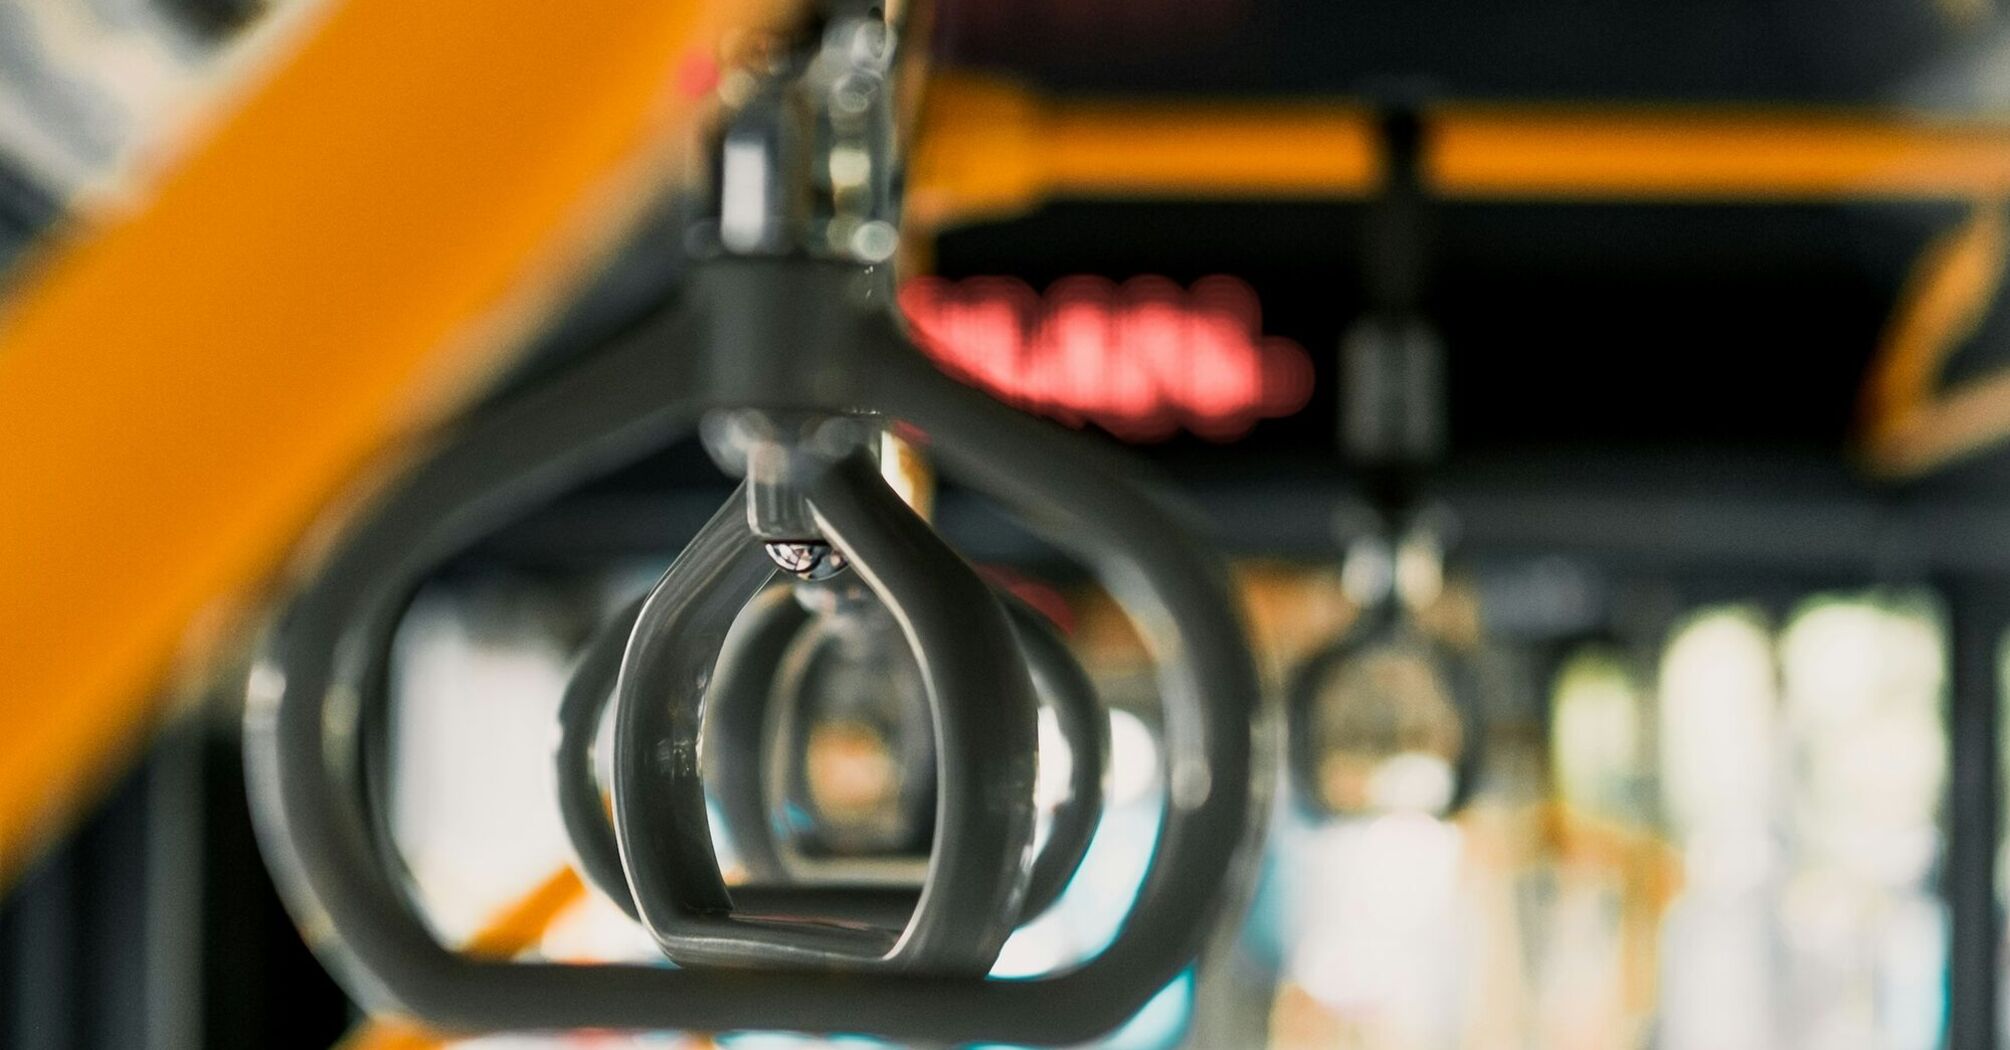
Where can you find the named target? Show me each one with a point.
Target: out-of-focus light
(1134, 771)
(1864, 684)
(473, 831)
(1093, 908)
(1141, 359)
(1596, 737)
(1055, 769)
(1378, 926)
(1718, 733)
(1413, 782)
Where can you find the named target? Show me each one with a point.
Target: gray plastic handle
(611, 409)
(736, 716)
(744, 693)
(1379, 625)
(980, 699)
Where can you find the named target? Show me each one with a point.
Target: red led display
(1141, 359)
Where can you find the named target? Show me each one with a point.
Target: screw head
(807, 559)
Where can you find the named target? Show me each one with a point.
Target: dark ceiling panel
(1797, 51)
(1644, 326)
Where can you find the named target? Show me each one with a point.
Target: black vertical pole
(39, 957)
(1978, 617)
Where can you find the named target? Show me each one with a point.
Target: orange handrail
(1912, 424)
(986, 148)
(1699, 154)
(989, 148)
(354, 239)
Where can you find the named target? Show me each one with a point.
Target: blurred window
(1734, 845)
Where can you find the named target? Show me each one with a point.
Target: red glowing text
(1141, 359)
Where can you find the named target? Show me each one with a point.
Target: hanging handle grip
(979, 694)
(608, 410)
(736, 720)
